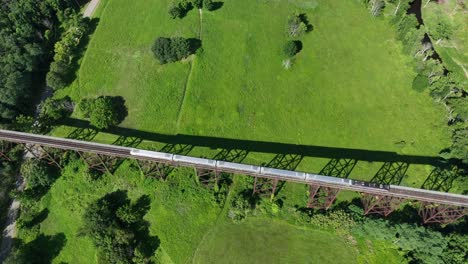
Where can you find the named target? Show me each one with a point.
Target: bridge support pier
(99, 162)
(321, 197)
(207, 177)
(154, 169)
(265, 186)
(51, 156)
(5, 147)
(379, 204)
(440, 213)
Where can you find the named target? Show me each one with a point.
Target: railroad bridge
(377, 198)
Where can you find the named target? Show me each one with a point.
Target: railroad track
(238, 168)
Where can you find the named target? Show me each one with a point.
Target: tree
(104, 113)
(55, 110)
(291, 48)
(296, 26)
(441, 28)
(36, 173)
(171, 49)
(175, 11)
(85, 107)
(198, 3)
(209, 5)
(118, 229)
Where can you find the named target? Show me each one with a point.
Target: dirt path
(89, 11)
(187, 81)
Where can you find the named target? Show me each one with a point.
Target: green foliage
(240, 208)
(65, 51)
(171, 49)
(104, 111)
(334, 220)
(117, 228)
(209, 5)
(23, 123)
(36, 174)
(291, 48)
(198, 3)
(27, 34)
(180, 9)
(297, 25)
(459, 148)
(55, 110)
(440, 27)
(419, 244)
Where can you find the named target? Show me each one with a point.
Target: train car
(196, 162)
(166, 157)
(283, 174)
(237, 167)
(310, 177)
(371, 185)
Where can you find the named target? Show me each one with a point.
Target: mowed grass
(181, 210)
(191, 226)
(349, 87)
(263, 240)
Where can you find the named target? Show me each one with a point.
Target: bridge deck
(333, 182)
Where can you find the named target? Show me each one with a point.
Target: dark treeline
(29, 30)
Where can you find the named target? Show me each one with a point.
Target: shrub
(171, 49)
(84, 107)
(103, 113)
(297, 25)
(240, 208)
(198, 3)
(291, 48)
(55, 110)
(209, 5)
(175, 11)
(36, 174)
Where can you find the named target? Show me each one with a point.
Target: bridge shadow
(339, 167)
(391, 173)
(131, 142)
(83, 133)
(439, 180)
(263, 146)
(231, 155)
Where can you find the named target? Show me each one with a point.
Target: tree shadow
(41, 250)
(37, 219)
(216, 6)
(391, 173)
(303, 17)
(194, 44)
(440, 180)
(339, 168)
(120, 107)
(298, 44)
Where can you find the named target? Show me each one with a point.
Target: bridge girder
(440, 213)
(265, 186)
(380, 204)
(321, 197)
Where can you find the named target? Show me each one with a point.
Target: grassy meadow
(349, 87)
(191, 226)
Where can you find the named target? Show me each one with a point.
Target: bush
(175, 11)
(36, 173)
(209, 5)
(291, 48)
(240, 208)
(84, 107)
(171, 49)
(55, 110)
(297, 25)
(104, 113)
(198, 3)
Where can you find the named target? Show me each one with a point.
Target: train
(225, 166)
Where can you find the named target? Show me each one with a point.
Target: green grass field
(191, 226)
(350, 86)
